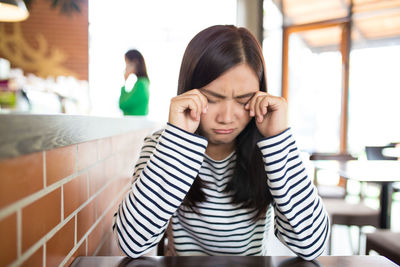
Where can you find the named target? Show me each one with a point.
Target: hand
(129, 69)
(270, 113)
(185, 110)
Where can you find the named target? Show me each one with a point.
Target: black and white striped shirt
(169, 162)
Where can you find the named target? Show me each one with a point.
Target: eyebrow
(224, 97)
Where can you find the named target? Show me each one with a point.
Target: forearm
(124, 99)
(161, 185)
(301, 221)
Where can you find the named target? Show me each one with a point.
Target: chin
(222, 141)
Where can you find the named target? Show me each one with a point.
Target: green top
(135, 102)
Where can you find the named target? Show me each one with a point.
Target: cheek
(205, 120)
(211, 113)
(243, 114)
(244, 118)
(205, 116)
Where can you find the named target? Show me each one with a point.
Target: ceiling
(374, 22)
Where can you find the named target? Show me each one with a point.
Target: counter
(21, 134)
(62, 178)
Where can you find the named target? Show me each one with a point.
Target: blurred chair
(376, 153)
(386, 243)
(340, 211)
(331, 191)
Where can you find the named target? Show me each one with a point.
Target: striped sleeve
(301, 221)
(168, 164)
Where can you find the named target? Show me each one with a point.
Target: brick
(122, 167)
(81, 251)
(103, 200)
(109, 195)
(20, 177)
(58, 247)
(8, 241)
(120, 143)
(105, 249)
(108, 219)
(85, 219)
(60, 163)
(94, 238)
(40, 217)
(36, 259)
(87, 154)
(104, 147)
(110, 169)
(75, 194)
(109, 246)
(97, 178)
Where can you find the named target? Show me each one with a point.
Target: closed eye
(244, 101)
(211, 101)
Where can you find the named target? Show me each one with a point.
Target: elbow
(311, 255)
(125, 248)
(313, 245)
(132, 248)
(309, 258)
(318, 247)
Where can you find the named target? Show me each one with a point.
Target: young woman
(224, 160)
(136, 100)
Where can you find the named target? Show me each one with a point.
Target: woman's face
(227, 96)
(130, 67)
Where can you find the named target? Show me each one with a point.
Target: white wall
(160, 30)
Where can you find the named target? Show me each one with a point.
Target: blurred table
(392, 152)
(232, 261)
(382, 172)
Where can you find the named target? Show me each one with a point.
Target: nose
(226, 112)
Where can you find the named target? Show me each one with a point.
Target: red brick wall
(68, 33)
(56, 205)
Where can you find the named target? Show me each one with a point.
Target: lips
(223, 131)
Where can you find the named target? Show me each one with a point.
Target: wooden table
(382, 172)
(232, 261)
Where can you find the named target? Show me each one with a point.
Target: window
(314, 92)
(160, 30)
(374, 80)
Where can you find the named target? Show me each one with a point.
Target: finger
(203, 99)
(253, 103)
(264, 104)
(188, 104)
(275, 102)
(258, 108)
(200, 100)
(247, 106)
(204, 102)
(195, 108)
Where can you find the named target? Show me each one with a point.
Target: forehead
(238, 80)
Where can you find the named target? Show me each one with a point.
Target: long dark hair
(209, 54)
(137, 58)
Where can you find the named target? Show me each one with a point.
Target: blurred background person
(134, 100)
